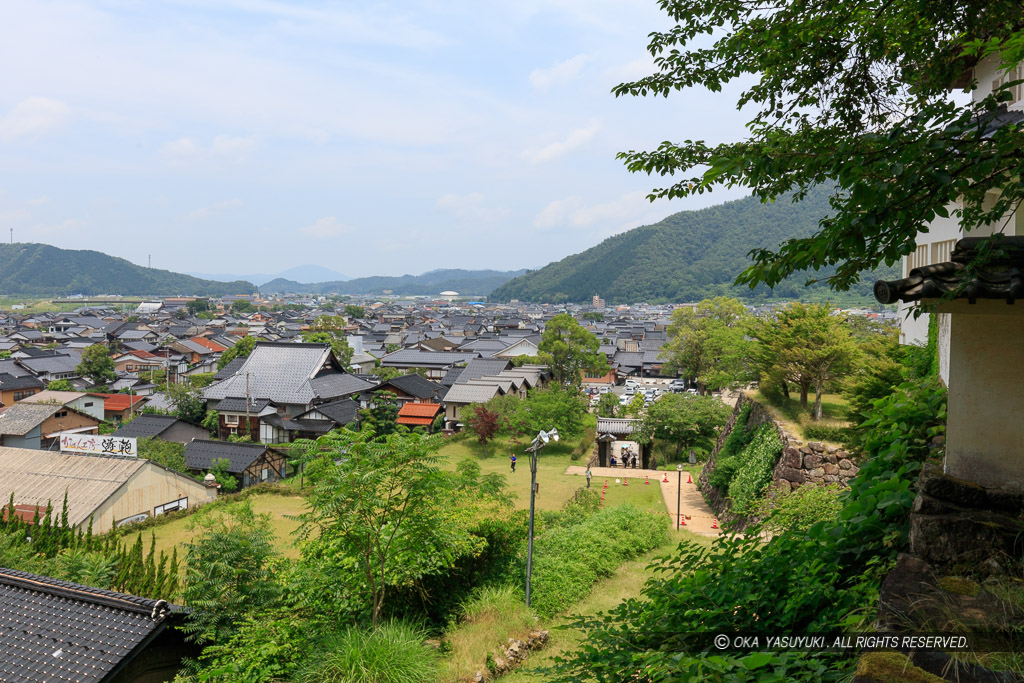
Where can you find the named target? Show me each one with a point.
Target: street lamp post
(538, 442)
(679, 493)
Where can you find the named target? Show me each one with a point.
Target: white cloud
(326, 228)
(216, 207)
(576, 139)
(66, 226)
(628, 211)
(472, 208)
(32, 118)
(558, 73)
(631, 71)
(223, 148)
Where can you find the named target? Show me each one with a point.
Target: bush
(799, 508)
(755, 470)
(393, 653)
(569, 559)
(837, 432)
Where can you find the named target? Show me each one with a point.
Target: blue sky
(371, 138)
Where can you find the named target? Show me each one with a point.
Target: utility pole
(247, 405)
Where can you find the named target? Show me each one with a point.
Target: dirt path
(702, 519)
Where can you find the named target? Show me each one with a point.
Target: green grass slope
(44, 271)
(688, 256)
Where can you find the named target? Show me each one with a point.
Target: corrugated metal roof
(472, 393)
(36, 477)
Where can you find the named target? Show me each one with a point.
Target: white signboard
(95, 444)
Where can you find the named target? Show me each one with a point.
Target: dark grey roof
(50, 364)
(414, 385)
(200, 454)
(9, 382)
(481, 367)
(54, 630)
(230, 369)
(146, 425)
(617, 427)
(234, 404)
(451, 377)
(415, 358)
(280, 371)
(1001, 277)
(338, 384)
(341, 412)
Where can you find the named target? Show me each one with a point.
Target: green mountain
(689, 256)
(42, 270)
(467, 282)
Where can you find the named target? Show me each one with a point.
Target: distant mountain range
(306, 273)
(46, 271)
(466, 282)
(689, 256)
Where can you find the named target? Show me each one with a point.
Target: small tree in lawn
(382, 514)
(97, 365)
(485, 423)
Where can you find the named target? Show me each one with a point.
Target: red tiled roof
(212, 345)
(120, 401)
(415, 421)
(421, 410)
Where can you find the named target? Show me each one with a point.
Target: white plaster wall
(943, 344)
(985, 432)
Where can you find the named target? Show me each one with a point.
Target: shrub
(725, 470)
(740, 435)
(755, 471)
(799, 508)
(567, 560)
(837, 432)
(487, 619)
(394, 652)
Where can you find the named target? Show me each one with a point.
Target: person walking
(512, 460)
(589, 475)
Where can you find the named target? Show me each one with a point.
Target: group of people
(628, 458)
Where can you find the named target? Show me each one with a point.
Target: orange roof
(212, 345)
(421, 410)
(120, 401)
(415, 421)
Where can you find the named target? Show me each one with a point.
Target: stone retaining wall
(799, 464)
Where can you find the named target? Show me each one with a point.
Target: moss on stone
(959, 586)
(892, 667)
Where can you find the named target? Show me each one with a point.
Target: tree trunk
(816, 415)
(803, 393)
(785, 389)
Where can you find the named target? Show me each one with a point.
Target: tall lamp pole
(679, 493)
(538, 443)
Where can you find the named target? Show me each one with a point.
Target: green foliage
(219, 469)
(167, 453)
(384, 516)
(201, 380)
(429, 284)
(60, 385)
(242, 348)
(567, 560)
(827, 431)
(543, 409)
(67, 272)
(228, 570)
(391, 653)
(687, 422)
(484, 422)
(707, 343)
(212, 423)
(353, 311)
(188, 402)
(800, 508)
(817, 579)
(198, 306)
(586, 444)
(755, 471)
(97, 365)
(243, 306)
(688, 256)
(520, 361)
(570, 350)
(608, 405)
(382, 418)
(330, 329)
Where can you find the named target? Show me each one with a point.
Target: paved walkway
(691, 501)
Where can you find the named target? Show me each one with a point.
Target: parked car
(692, 391)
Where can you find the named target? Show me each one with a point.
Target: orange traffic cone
(714, 524)
(665, 480)
(647, 480)
(689, 479)
(682, 520)
(625, 482)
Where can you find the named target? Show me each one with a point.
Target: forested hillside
(689, 256)
(43, 270)
(468, 282)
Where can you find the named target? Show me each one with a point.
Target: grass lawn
(834, 408)
(606, 594)
(176, 533)
(555, 486)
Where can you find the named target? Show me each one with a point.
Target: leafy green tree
(212, 423)
(858, 99)
(707, 345)
(198, 306)
(354, 311)
(542, 409)
(219, 470)
(636, 405)
(686, 422)
(805, 344)
(228, 571)
(608, 405)
(384, 510)
(60, 385)
(382, 418)
(188, 402)
(570, 350)
(330, 329)
(242, 348)
(243, 306)
(97, 365)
